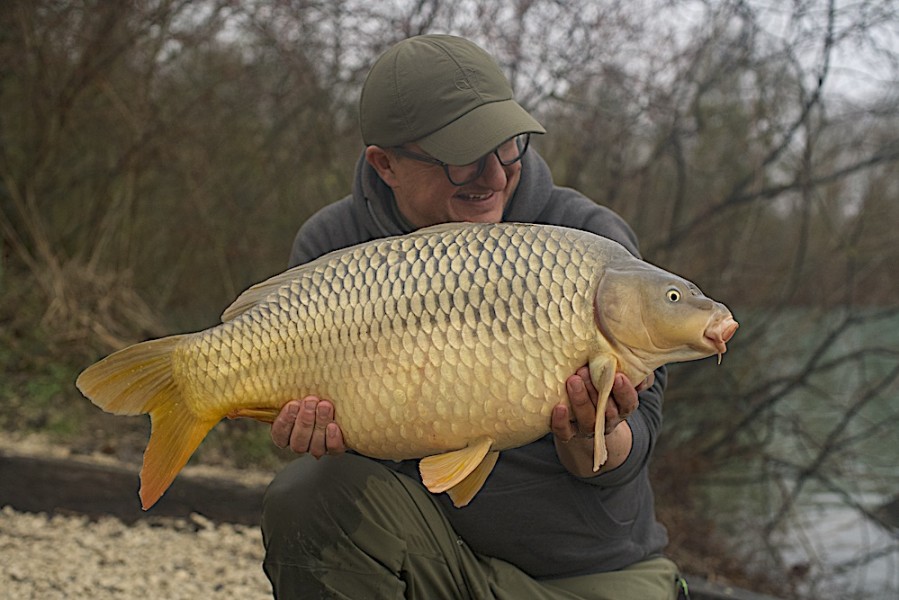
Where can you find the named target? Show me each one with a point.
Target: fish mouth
(719, 333)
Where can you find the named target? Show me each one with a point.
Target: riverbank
(71, 527)
(73, 556)
(79, 541)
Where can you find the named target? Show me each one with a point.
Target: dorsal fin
(258, 293)
(262, 290)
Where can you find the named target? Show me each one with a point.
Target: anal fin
(463, 492)
(444, 471)
(266, 415)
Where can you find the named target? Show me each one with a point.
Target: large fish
(452, 343)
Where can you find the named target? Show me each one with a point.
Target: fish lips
(719, 332)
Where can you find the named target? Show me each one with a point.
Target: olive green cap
(444, 93)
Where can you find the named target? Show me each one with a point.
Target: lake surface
(826, 452)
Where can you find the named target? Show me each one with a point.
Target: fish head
(659, 316)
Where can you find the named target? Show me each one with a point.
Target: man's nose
(495, 175)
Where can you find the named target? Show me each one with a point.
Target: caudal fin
(138, 380)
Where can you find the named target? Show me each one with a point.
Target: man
(446, 141)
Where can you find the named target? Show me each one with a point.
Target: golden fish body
(451, 343)
(419, 341)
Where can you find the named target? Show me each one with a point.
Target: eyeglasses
(508, 153)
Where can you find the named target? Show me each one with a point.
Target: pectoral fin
(444, 471)
(602, 373)
(465, 491)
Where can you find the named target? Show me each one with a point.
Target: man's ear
(382, 162)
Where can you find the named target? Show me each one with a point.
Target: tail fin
(139, 380)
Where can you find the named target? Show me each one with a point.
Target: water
(860, 556)
(823, 454)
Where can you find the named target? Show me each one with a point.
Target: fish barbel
(452, 343)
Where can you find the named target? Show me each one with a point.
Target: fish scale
(463, 308)
(451, 343)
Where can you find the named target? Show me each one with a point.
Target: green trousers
(349, 527)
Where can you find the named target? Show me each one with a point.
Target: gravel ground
(73, 557)
(57, 556)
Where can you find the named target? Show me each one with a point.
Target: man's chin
(491, 212)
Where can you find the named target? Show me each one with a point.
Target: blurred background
(157, 157)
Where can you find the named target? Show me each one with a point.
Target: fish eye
(673, 295)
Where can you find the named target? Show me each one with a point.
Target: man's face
(426, 197)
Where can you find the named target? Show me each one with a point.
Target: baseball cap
(444, 93)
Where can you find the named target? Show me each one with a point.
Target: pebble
(74, 557)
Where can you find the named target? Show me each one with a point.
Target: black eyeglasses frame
(481, 162)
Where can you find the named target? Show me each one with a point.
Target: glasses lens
(462, 174)
(508, 153)
(511, 151)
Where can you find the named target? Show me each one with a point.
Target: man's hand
(581, 419)
(308, 426)
(573, 428)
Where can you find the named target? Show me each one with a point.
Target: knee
(331, 526)
(306, 482)
(310, 498)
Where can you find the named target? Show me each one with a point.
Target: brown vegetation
(157, 157)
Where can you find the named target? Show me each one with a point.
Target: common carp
(452, 343)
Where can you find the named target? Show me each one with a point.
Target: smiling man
(447, 142)
(478, 191)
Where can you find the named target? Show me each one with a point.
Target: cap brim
(478, 132)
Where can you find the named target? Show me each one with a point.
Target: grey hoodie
(531, 512)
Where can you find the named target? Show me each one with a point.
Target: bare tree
(158, 157)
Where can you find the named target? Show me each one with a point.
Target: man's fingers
(623, 403)
(583, 407)
(625, 397)
(307, 426)
(304, 426)
(584, 374)
(561, 425)
(284, 422)
(324, 415)
(334, 437)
